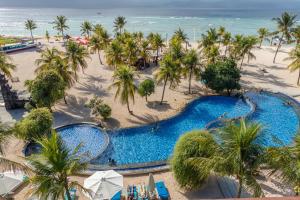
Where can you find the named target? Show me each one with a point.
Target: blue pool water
(155, 142)
(92, 140)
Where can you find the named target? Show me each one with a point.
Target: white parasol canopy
(104, 184)
(9, 181)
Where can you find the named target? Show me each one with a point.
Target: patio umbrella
(9, 181)
(151, 184)
(104, 184)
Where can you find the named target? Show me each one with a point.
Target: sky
(257, 4)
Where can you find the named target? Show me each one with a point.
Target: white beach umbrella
(9, 181)
(104, 184)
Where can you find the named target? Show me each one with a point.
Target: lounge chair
(162, 191)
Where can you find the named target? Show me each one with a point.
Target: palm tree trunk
(278, 48)
(163, 94)
(242, 61)
(32, 36)
(156, 59)
(128, 107)
(240, 187)
(99, 57)
(260, 43)
(271, 42)
(65, 100)
(190, 79)
(146, 98)
(298, 78)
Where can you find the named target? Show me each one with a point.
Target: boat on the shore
(18, 46)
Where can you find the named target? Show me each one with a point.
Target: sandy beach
(96, 79)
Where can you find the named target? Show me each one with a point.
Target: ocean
(164, 21)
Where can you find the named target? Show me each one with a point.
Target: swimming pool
(154, 143)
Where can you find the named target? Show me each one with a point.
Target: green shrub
(146, 88)
(222, 75)
(190, 146)
(99, 108)
(36, 124)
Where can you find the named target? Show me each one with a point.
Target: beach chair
(162, 191)
(72, 193)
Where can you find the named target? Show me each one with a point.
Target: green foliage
(36, 124)
(6, 66)
(146, 88)
(53, 167)
(191, 145)
(223, 75)
(47, 88)
(99, 108)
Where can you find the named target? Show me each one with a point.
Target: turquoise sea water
(163, 21)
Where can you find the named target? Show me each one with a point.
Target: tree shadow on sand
(144, 119)
(155, 105)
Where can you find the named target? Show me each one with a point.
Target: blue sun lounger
(162, 190)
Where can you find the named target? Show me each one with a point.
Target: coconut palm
(296, 34)
(156, 43)
(130, 51)
(180, 34)
(294, 57)
(124, 83)
(60, 24)
(119, 24)
(144, 52)
(262, 35)
(211, 54)
(47, 36)
(52, 168)
(221, 32)
(6, 66)
(226, 41)
(96, 45)
(190, 62)
(241, 154)
(251, 42)
(113, 54)
(209, 39)
(76, 56)
(47, 57)
(284, 25)
(30, 25)
(167, 71)
(286, 161)
(86, 28)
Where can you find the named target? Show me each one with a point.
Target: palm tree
(284, 25)
(241, 155)
(262, 35)
(285, 160)
(251, 42)
(296, 34)
(30, 25)
(60, 24)
(53, 167)
(294, 57)
(221, 32)
(124, 82)
(76, 56)
(226, 41)
(47, 57)
(167, 71)
(190, 61)
(119, 24)
(96, 45)
(182, 36)
(5, 65)
(211, 54)
(86, 28)
(113, 54)
(47, 35)
(156, 44)
(144, 51)
(130, 51)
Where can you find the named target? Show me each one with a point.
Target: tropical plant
(169, 70)
(76, 56)
(130, 51)
(190, 62)
(98, 29)
(47, 88)
(211, 54)
(179, 33)
(124, 83)
(286, 161)
(190, 147)
(222, 75)
(30, 25)
(47, 36)
(96, 46)
(47, 57)
(146, 88)
(53, 167)
(113, 54)
(296, 34)
(156, 43)
(99, 108)
(262, 35)
(226, 39)
(86, 28)
(144, 52)
(60, 24)
(221, 32)
(6, 66)
(284, 25)
(294, 57)
(35, 125)
(119, 24)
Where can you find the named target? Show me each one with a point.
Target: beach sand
(96, 79)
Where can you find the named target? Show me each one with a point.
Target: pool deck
(97, 78)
